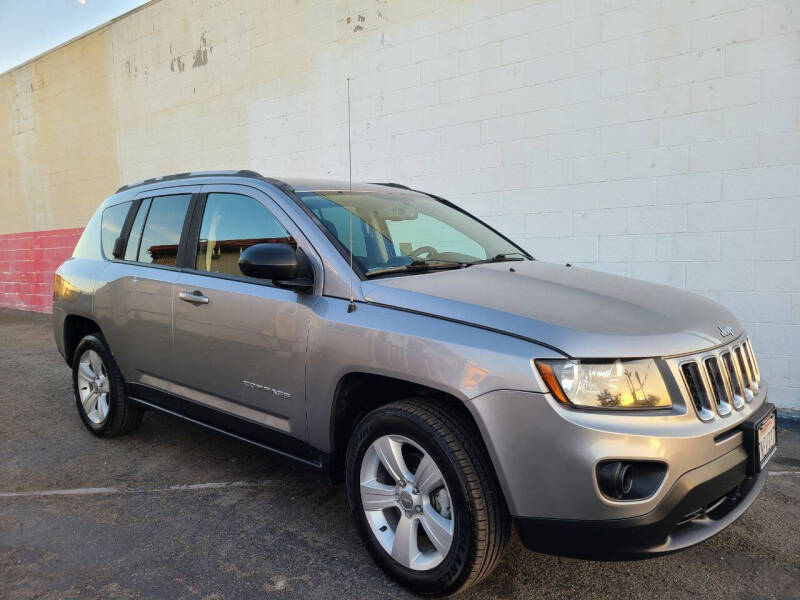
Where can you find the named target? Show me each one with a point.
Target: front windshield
(393, 228)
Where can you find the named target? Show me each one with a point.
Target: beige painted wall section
(58, 137)
(185, 85)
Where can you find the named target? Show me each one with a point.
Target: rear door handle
(195, 297)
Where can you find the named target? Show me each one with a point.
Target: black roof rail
(191, 174)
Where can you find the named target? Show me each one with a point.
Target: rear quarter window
(88, 245)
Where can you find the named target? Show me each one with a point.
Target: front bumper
(546, 458)
(701, 504)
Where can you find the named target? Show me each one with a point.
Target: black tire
(123, 416)
(482, 524)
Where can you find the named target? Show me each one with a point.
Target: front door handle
(195, 297)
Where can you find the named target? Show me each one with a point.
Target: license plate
(766, 440)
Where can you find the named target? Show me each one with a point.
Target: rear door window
(113, 222)
(161, 235)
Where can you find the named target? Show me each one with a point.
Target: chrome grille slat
(753, 358)
(697, 390)
(750, 359)
(721, 380)
(720, 389)
(747, 381)
(734, 381)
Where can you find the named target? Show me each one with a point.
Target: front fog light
(615, 479)
(630, 480)
(615, 385)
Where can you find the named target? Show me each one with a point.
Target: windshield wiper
(420, 266)
(500, 258)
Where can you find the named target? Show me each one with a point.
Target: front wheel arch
(358, 393)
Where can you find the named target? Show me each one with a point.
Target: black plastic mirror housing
(281, 263)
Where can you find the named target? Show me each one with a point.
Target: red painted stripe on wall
(27, 264)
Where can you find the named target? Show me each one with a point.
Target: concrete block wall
(658, 139)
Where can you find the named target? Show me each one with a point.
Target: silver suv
(396, 342)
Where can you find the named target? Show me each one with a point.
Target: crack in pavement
(183, 487)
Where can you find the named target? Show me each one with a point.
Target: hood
(583, 313)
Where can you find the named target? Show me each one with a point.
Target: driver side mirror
(281, 263)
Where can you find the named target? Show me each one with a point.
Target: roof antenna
(352, 306)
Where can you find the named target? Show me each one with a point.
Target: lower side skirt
(318, 463)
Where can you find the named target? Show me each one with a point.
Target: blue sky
(30, 27)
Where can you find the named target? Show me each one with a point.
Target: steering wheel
(422, 250)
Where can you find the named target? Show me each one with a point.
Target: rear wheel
(100, 390)
(424, 497)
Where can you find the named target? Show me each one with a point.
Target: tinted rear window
(113, 222)
(162, 230)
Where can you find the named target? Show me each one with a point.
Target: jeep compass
(455, 384)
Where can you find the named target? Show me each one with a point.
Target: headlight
(621, 384)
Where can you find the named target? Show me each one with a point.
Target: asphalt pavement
(171, 511)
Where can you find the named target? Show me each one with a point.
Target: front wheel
(424, 497)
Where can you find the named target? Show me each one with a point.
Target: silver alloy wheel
(93, 386)
(410, 513)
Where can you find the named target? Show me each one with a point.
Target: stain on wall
(201, 54)
(177, 64)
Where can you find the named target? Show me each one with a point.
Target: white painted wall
(658, 139)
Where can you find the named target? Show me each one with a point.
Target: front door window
(231, 224)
